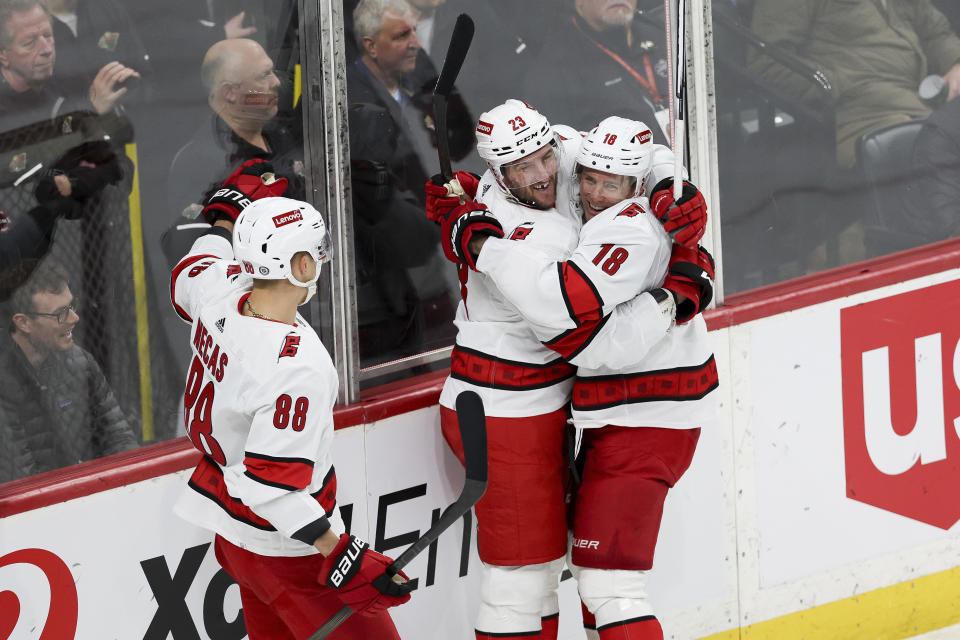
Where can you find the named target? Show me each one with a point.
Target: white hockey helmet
(619, 146)
(509, 132)
(270, 231)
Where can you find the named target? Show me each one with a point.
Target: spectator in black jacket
(28, 91)
(63, 191)
(613, 60)
(55, 402)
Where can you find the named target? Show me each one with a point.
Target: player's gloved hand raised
(690, 279)
(444, 197)
(462, 224)
(251, 181)
(685, 222)
(357, 573)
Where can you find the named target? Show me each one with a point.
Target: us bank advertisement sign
(901, 403)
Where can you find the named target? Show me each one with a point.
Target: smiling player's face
(533, 179)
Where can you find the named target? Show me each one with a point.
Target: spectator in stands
(393, 72)
(242, 91)
(92, 33)
(57, 405)
(612, 60)
(875, 55)
(389, 88)
(933, 209)
(29, 93)
(75, 179)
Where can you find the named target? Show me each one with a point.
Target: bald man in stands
(242, 90)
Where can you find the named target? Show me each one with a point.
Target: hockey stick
(473, 435)
(679, 99)
(456, 53)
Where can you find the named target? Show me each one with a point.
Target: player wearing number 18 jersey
(258, 404)
(643, 384)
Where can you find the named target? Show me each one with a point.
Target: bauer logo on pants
(900, 362)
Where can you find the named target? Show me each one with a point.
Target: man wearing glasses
(56, 408)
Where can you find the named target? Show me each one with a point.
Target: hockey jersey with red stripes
(258, 403)
(635, 367)
(497, 355)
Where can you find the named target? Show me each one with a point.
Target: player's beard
(544, 197)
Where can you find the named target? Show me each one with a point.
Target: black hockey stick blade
(473, 435)
(456, 54)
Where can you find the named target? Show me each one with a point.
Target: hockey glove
(357, 573)
(88, 168)
(462, 224)
(687, 220)
(690, 279)
(253, 180)
(444, 197)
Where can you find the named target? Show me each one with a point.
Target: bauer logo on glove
(348, 563)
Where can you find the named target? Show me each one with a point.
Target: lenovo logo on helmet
(287, 218)
(484, 127)
(644, 136)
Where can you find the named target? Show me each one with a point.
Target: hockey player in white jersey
(643, 383)
(525, 386)
(258, 404)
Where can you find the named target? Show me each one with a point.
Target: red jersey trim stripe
(327, 495)
(584, 305)
(583, 301)
(207, 480)
(485, 370)
(284, 473)
(570, 343)
(682, 383)
(177, 270)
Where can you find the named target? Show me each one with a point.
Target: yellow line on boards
(140, 297)
(899, 611)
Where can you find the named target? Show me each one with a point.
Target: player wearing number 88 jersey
(258, 403)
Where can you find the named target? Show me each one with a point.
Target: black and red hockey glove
(462, 224)
(690, 278)
(444, 197)
(686, 222)
(251, 181)
(357, 572)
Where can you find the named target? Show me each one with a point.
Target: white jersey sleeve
(194, 283)
(622, 252)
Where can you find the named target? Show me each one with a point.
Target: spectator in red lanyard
(613, 60)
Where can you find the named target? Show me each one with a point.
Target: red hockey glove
(357, 573)
(251, 181)
(460, 225)
(690, 279)
(685, 222)
(443, 198)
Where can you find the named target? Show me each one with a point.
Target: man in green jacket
(875, 53)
